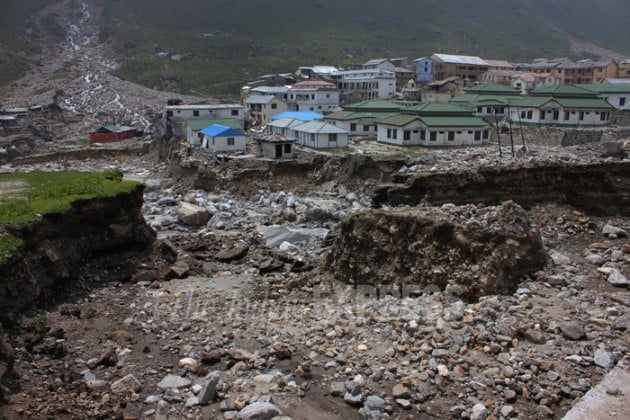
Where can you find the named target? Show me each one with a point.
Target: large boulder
(192, 214)
(471, 249)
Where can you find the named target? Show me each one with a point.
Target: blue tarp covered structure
(218, 130)
(302, 116)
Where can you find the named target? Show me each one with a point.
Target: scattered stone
(259, 411)
(281, 351)
(126, 384)
(479, 412)
(235, 252)
(172, 381)
(572, 331)
(604, 359)
(208, 393)
(616, 278)
(400, 391)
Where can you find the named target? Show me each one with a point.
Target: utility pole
(496, 126)
(509, 118)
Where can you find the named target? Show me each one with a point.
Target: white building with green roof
(359, 119)
(434, 125)
(563, 106)
(617, 95)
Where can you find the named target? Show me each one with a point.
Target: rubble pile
(470, 250)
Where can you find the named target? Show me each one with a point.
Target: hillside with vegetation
(225, 43)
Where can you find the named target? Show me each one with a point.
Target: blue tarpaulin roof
(216, 130)
(302, 116)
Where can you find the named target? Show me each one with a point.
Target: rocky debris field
(249, 321)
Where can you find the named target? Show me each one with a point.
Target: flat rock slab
(598, 403)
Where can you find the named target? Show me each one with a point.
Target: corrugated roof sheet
(216, 130)
(399, 120)
(373, 106)
(270, 89)
(458, 122)
(609, 88)
(498, 63)
(259, 99)
(461, 59)
(375, 61)
(493, 88)
(285, 123)
(437, 108)
(360, 117)
(563, 91)
(319, 127)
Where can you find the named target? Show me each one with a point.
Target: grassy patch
(51, 192)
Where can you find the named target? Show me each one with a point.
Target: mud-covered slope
(101, 238)
(470, 251)
(601, 189)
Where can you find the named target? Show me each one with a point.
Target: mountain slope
(225, 43)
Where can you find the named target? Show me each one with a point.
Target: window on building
(603, 116)
(477, 135)
(489, 110)
(451, 136)
(313, 96)
(581, 118)
(332, 138)
(312, 138)
(433, 136)
(353, 127)
(530, 115)
(622, 101)
(566, 115)
(406, 135)
(274, 106)
(195, 113)
(556, 115)
(486, 133)
(287, 148)
(230, 141)
(234, 112)
(542, 114)
(169, 113)
(523, 114)
(423, 135)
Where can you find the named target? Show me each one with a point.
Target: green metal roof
(373, 106)
(466, 100)
(569, 103)
(492, 89)
(360, 117)
(399, 120)
(198, 125)
(533, 101)
(437, 108)
(563, 91)
(565, 103)
(454, 122)
(608, 88)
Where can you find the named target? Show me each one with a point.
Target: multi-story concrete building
(366, 84)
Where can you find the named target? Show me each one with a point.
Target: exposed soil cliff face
(98, 239)
(471, 251)
(600, 189)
